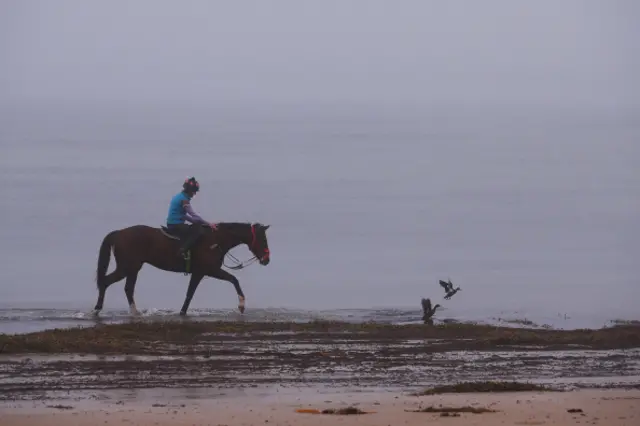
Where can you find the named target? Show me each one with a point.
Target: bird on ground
(427, 310)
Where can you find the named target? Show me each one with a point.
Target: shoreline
(41, 317)
(197, 337)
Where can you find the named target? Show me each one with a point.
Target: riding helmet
(191, 185)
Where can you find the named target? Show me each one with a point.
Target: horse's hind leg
(111, 278)
(129, 288)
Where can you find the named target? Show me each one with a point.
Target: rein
(240, 265)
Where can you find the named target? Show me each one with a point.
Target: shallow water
(532, 212)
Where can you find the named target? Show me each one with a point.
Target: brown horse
(139, 244)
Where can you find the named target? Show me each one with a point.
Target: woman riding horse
(180, 210)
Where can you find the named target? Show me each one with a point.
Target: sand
(599, 407)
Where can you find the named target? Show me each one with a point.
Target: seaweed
(155, 337)
(484, 386)
(450, 410)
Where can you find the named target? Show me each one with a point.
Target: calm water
(533, 213)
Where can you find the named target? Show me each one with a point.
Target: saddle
(165, 231)
(187, 260)
(168, 233)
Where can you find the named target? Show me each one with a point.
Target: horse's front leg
(225, 276)
(194, 281)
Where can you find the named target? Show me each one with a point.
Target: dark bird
(427, 310)
(448, 288)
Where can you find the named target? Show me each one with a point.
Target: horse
(139, 244)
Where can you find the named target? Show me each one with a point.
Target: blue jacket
(176, 215)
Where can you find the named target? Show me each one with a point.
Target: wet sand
(250, 373)
(228, 355)
(599, 407)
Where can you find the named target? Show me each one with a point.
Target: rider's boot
(183, 252)
(187, 243)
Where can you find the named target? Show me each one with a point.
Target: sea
(532, 211)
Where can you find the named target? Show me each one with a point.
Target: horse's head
(254, 235)
(259, 244)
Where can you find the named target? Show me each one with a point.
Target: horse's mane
(234, 224)
(237, 225)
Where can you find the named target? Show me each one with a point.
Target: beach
(604, 407)
(479, 160)
(232, 373)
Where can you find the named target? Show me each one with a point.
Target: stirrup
(186, 256)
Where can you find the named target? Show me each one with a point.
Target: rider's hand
(213, 226)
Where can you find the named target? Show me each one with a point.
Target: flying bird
(448, 288)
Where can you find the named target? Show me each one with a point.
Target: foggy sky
(576, 53)
(538, 208)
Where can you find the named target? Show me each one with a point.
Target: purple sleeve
(192, 216)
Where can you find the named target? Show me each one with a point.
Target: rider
(180, 210)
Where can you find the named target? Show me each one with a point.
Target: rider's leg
(193, 233)
(182, 232)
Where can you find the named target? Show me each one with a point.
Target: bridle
(254, 242)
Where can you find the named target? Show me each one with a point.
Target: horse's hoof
(95, 312)
(183, 313)
(133, 311)
(241, 304)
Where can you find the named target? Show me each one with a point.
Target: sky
(543, 53)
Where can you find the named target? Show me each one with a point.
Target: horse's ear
(265, 227)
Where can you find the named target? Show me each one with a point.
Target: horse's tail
(103, 259)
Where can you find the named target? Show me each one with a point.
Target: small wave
(255, 314)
